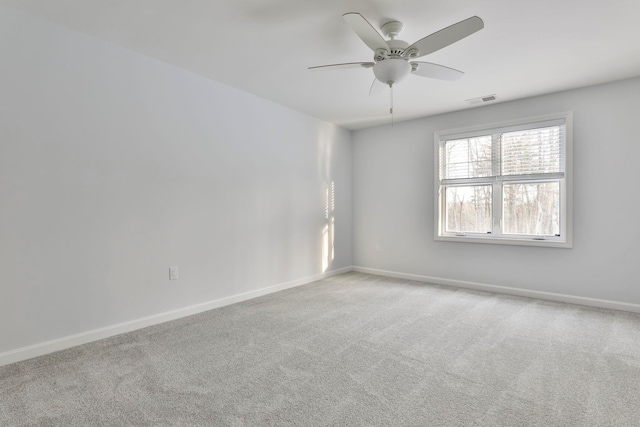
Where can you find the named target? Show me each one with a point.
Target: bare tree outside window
(468, 158)
(532, 209)
(469, 209)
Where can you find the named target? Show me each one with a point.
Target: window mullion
(495, 155)
(497, 185)
(497, 208)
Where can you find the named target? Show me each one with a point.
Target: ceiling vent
(481, 100)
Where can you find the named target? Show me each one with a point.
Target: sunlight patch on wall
(328, 231)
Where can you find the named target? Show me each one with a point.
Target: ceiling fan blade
(435, 71)
(369, 35)
(343, 66)
(376, 87)
(445, 37)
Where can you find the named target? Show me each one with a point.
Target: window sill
(548, 243)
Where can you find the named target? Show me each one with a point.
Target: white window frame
(565, 240)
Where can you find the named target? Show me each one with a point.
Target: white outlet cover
(173, 273)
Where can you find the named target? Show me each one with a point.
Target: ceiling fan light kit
(391, 71)
(394, 59)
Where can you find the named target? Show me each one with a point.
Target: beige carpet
(354, 349)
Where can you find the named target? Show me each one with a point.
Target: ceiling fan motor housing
(396, 50)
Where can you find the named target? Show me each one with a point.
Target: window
(508, 183)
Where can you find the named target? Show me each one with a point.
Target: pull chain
(391, 102)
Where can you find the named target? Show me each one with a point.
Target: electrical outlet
(173, 273)
(378, 247)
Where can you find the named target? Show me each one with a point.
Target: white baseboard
(591, 302)
(47, 347)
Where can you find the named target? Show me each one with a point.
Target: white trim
(549, 242)
(591, 302)
(47, 347)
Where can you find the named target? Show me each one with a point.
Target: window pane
(468, 209)
(532, 209)
(532, 151)
(467, 158)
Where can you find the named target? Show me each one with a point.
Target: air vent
(481, 100)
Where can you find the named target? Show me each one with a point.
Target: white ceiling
(527, 48)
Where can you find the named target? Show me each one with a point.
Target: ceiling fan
(394, 59)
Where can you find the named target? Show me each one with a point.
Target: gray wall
(393, 200)
(114, 166)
